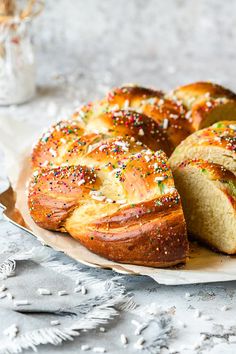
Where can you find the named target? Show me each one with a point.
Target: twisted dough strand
(112, 193)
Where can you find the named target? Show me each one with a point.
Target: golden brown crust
(53, 140)
(198, 89)
(166, 112)
(206, 103)
(216, 144)
(114, 138)
(123, 205)
(178, 114)
(169, 116)
(54, 193)
(222, 134)
(98, 177)
(156, 238)
(213, 171)
(130, 123)
(132, 93)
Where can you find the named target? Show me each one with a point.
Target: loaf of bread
(104, 178)
(208, 193)
(216, 144)
(113, 194)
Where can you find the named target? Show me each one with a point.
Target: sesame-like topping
(141, 132)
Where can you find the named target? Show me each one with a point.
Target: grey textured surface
(84, 47)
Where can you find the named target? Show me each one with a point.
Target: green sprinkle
(232, 187)
(161, 186)
(218, 125)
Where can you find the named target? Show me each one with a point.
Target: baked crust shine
(206, 103)
(169, 116)
(112, 193)
(216, 144)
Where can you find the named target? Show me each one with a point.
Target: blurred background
(94, 44)
(85, 47)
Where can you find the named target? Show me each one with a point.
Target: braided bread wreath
(103, 176)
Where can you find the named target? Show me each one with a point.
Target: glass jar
(17, 64)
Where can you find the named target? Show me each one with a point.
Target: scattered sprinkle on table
(85, 347)
(83, 290)
(43, 291)
(140, 328)
(3, 288)
(224, 308)
(21, 302)
(62, 293)
(99, 350)
(197, 313)
(123, 339)
(140, 341)
(55, 323)
(10, 296)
